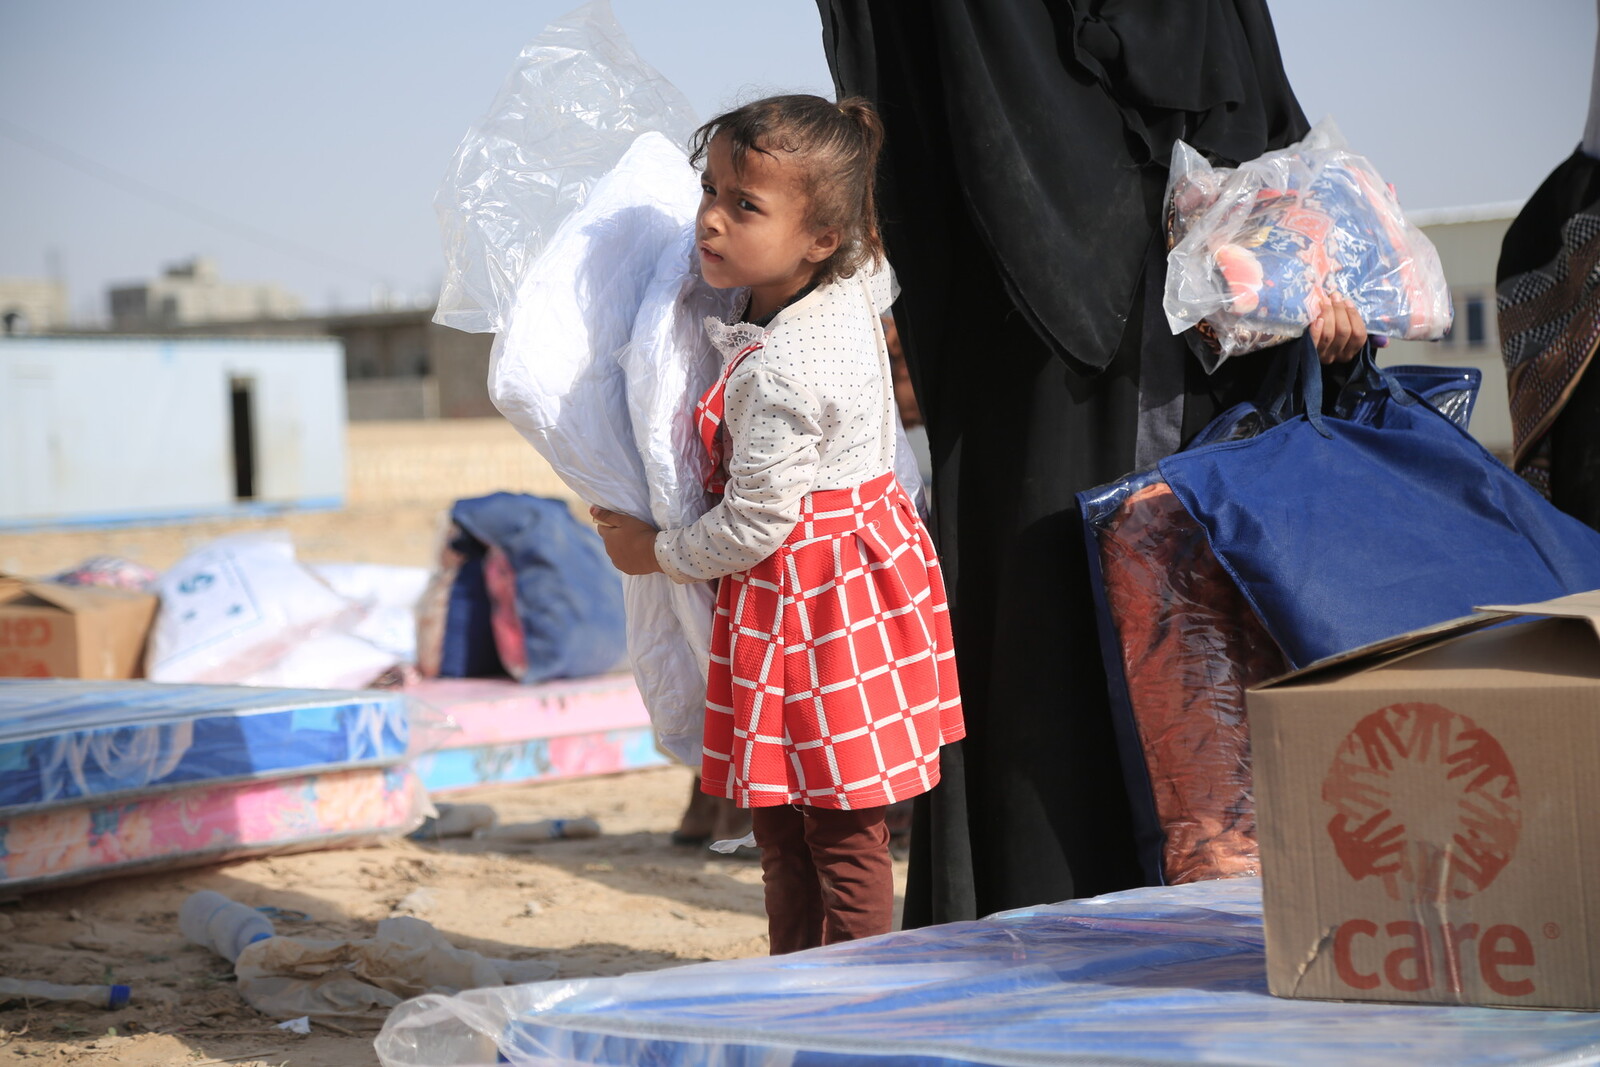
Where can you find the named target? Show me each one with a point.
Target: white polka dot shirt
(810, 410)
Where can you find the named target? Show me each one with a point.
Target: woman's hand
(1337, 329)
(630, 543)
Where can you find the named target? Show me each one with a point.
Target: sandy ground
(626, 901)
(620, 903)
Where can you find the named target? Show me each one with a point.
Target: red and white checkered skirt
(833, 677)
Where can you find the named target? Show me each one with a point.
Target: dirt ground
(628, 900)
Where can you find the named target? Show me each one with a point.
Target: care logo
(1425, 800)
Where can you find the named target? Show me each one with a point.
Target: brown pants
(827, 875)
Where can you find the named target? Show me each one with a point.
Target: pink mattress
(476, 732)
(186, 827)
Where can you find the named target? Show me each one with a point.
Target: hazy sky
(301, 142)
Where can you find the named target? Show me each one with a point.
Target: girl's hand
(630, 543)
(1337, 330)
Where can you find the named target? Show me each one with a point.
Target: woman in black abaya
(1027, 151)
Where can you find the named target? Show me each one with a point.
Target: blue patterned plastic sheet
(1169, 975)
(64, 741)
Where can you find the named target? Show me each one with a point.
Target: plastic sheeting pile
(1171, 975)
(1256, 247)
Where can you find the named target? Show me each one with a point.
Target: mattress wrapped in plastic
(101, 777)
(63, 741)
(488, 732)
(207, 823)
(1167, 975)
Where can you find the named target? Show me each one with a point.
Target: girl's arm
(630, 542)
(774, 428)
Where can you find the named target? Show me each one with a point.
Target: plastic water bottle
(98, 996)
(224, 926)
(543, 830)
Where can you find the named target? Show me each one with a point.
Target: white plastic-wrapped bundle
(599, 365)
(577, 98)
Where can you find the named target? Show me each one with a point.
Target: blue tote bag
(1181, 645)
(1347, 528)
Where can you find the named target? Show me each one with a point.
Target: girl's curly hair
(836, 147)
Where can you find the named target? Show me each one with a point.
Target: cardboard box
(60, 631)
(1429, 814)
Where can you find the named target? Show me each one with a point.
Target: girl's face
(751, 228)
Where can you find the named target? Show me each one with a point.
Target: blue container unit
(66, 741)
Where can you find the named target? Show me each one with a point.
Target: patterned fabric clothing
(807, 405)
(833, 678)
(1550, 327)
(1550, 312)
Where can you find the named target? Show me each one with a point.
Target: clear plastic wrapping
(599, 366)
(1256, 248)
(563, 219)
(1167, 975)
(577, 98)
(1189, 648)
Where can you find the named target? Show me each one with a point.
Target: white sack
(235, 606)
(388, 595)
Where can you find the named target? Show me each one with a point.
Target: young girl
(832, 679)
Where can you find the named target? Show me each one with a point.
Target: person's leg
(851, 853)
(793, 890)
(695, 827)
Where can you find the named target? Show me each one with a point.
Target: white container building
(119, 429)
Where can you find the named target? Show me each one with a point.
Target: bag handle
(1293, 386)
(1368, 378)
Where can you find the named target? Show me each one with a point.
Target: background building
(32, 305)
(1468, 240)
(121, 429)
(398, 364)
(191, 292)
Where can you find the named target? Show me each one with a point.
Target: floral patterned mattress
(64, 741)
(204, 824)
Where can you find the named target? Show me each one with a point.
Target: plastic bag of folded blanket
(1256, 248)
(1182, 644)
(243, 610)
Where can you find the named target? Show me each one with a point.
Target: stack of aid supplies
(104, 777)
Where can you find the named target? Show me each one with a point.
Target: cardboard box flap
(66, 597)
(1584, 606)
(1371, 655)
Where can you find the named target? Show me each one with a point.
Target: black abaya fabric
(1027, 144)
